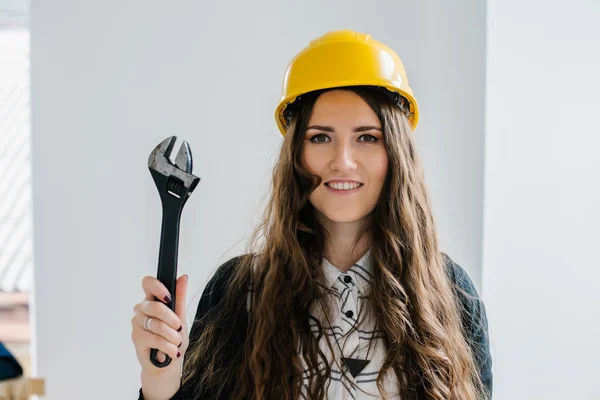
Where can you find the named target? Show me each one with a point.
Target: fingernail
(178, 354)
(167, 299)
(186, 277)
(180, 344)
(179, 330)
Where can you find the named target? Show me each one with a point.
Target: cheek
(304, 156)
(312, 165)
(312, 161)
(380, 169)
(305, 160)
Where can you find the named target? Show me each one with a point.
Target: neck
(340, 249)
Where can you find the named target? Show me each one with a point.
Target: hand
(167, 331)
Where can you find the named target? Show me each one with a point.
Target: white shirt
(349, 297)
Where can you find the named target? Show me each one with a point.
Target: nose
(343, 157)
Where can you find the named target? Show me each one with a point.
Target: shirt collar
(361, 273)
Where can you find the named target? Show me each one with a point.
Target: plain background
(508, 99)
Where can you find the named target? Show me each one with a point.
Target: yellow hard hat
(345, 58)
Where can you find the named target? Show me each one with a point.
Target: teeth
(344, 186)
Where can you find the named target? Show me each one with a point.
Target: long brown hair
(412, 296)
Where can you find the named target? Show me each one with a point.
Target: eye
(312, 139)
(372, 139)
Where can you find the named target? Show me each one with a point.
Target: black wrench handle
(167, 259)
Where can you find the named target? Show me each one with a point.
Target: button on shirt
(349, 297)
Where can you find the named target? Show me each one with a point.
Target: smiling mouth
(343, 187)
(342, 191)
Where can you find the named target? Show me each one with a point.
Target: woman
(348, 295)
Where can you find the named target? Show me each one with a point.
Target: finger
(160, 328)
(161, 312)
(155, 289)
(149, 340)
(180, 301)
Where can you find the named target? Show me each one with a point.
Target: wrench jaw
(161, 153)
(183, 161)
(173, 181)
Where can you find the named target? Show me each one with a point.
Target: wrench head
(159, 161)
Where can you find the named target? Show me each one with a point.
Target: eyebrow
(357, 129)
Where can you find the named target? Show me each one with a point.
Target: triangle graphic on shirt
(355, 365)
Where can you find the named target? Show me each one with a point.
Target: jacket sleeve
(210, 298)
(474, 319)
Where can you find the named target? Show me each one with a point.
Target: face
(344, 146)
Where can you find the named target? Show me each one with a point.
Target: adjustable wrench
(175, 183)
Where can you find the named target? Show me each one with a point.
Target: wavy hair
(412, 297)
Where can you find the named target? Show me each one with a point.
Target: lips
(342, 192)
(342, 181)
(343, 185)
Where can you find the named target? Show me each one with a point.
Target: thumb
(180, 301)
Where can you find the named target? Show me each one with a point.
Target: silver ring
(147, 323)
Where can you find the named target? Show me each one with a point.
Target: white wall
(541, 275)
(111, 79)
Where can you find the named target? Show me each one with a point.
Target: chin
(341, 216)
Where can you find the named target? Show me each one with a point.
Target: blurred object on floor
(21, 388)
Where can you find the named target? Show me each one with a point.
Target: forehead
(344, 108)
